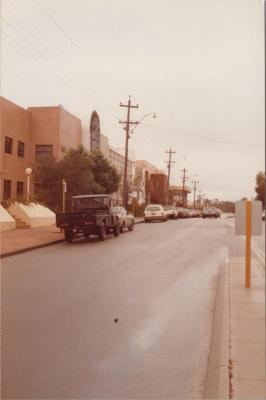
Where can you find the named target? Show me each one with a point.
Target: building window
(8, 145)
(7, 190)
(21, 149)
(42, 151)
(20, 190)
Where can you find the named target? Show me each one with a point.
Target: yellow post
(248, 242)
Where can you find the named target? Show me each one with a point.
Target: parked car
(125, 220)
(209, 212)
(187, 213)
(171, 212)
(90, 215)
(154, 212)
(181, 212)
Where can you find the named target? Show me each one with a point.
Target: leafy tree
(84, 172)
(260, 187)
(104, 173)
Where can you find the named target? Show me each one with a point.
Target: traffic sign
(256, 217)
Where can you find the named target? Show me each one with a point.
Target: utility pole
(169, 165)
(195, 188)
(127, 125)
(184, 178)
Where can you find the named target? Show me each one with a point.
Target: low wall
(7, 223)
(33, 214)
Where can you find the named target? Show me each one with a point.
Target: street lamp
(139, 122)
(28, 172)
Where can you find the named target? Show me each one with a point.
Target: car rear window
(153, 208)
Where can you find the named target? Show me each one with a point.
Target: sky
(197, 64)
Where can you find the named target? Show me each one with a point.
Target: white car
(155, 212)
(171, 212)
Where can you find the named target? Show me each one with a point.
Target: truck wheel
(86, 233)
(69, 235)
(116, 230)
(131, 226)
(102, 232)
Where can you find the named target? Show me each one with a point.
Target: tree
(84, 172)
(260, 187)
(104, 173)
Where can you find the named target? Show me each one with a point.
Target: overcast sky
(198, 64)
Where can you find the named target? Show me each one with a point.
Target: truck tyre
(122, 227)
(69, 235)
(102, 232)
(86, 234)
(116, 229)
(131, 226)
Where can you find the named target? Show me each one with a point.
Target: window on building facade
(7, 189)
(20, 186)
(21, 149)
(8, 145)
(42, 151)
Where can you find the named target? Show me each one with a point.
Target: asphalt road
(126, 318)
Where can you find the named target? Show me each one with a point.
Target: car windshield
(116, 209)
(83, 203)
(153, 208)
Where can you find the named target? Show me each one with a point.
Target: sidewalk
(21, 240)
(236, 368)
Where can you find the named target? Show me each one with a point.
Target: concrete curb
(217, 383)
(39, 246)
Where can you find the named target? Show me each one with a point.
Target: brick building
(28, 135)
(158, 188)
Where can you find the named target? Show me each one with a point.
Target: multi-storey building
(143, 171)
(28, 135)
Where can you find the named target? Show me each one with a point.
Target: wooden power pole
(184, 178)
(127, 125)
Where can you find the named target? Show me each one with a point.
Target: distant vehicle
(171, 212)
(91, 215)
(197, 213)
(209, 212)
(125, 220)
(155, 212)
(218, 212)
(181, 212)
(187, 213)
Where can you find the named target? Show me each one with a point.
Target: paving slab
(247, 332)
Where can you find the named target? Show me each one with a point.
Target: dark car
(125, 220)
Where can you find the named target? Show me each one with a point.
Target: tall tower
(95, 132)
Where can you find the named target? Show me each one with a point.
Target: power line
(44, 59)
(56, 23)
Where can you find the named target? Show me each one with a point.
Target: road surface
(126, 318)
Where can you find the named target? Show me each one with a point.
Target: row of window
(7, 189)
(41, 150)
(9, 147)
